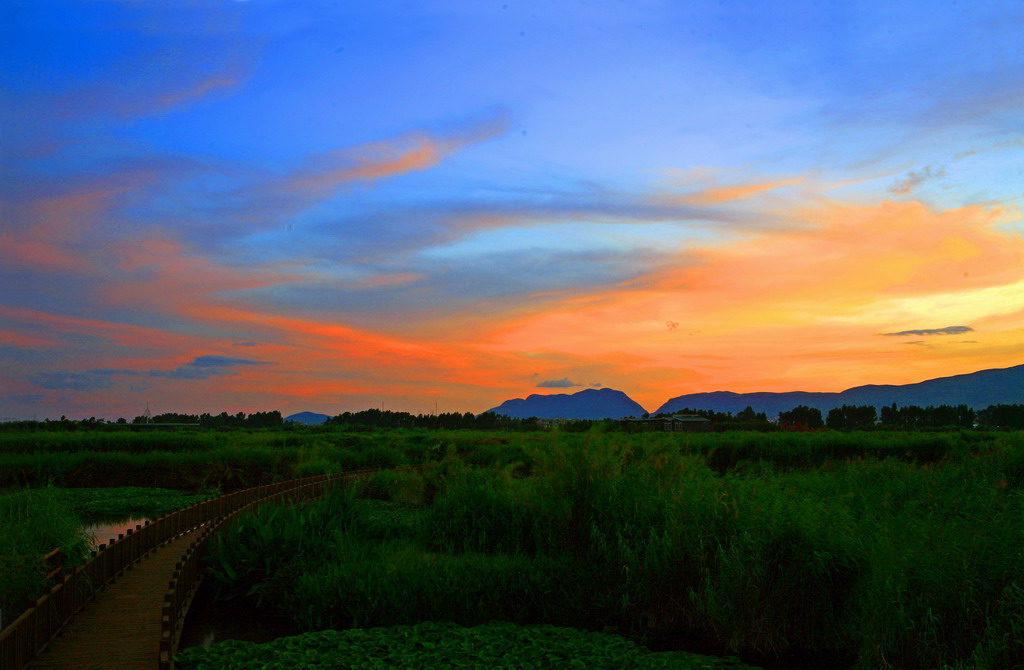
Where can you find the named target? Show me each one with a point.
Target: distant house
(676, 423)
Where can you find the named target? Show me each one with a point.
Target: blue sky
(453, 202)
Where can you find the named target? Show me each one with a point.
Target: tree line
(222, 420)
(802, 417)
(377, 418)
(866, 417)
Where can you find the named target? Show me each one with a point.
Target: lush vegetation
(868, 549)
(194, 460)
(863, 550)
(445, 645)
(129, 501)
(32, 523)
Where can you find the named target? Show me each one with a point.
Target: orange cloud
(120, 333)
(202, 296)
(197, 90)
(801, 308)
(150, 86)
(22, 340)
(54, 224)
(162, 275)
(410, 153)
(719, 195)
(797, 308)
(53, 228)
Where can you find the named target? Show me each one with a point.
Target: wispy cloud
(78, 381)
(202, 367)
(722, 194)
(222, 362)
(66, 225)
(322, 202)
(558, 383)
(948, 330)
(193, 91)
(916, 178)
(119, 333)
(1012, 143)
(409, 153)
(244, 202)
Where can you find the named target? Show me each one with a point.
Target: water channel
(106, 530)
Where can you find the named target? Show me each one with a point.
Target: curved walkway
(146, 579)
(120, 630)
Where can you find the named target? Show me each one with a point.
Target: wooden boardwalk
(150, 575)
(120, 629)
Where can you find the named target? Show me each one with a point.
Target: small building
(675, 423)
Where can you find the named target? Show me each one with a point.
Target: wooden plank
(121, 629)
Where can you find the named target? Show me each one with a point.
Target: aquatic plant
(447, 645)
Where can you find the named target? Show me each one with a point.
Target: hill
(588, 404)
(307, 417)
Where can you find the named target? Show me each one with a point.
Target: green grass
(444, 645)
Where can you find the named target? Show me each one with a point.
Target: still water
(105, 531)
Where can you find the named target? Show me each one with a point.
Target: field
(822, 549)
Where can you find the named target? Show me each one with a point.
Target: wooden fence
(30, 633)
(188, 573)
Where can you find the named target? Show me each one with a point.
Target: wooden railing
(188, 573)
(30, 633)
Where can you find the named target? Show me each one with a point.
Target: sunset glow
(299, 205)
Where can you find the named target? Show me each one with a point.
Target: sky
(220, 205)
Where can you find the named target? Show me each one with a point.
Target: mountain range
(977, 390)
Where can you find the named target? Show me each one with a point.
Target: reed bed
(906, 552)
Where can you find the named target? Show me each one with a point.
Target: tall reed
(902, 551)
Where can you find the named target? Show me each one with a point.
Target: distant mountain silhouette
(307, 417)
(588, 404)
(977, 390)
